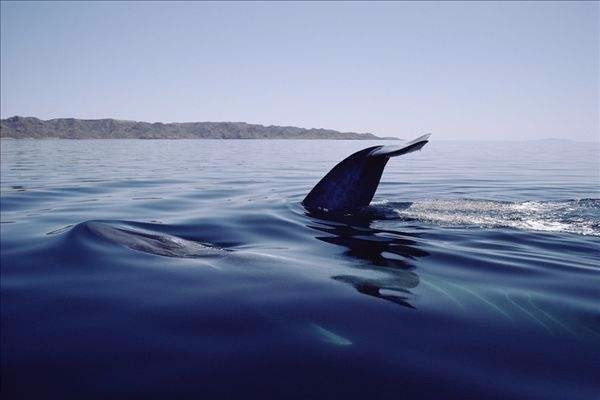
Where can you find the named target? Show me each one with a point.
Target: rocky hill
(71, 128)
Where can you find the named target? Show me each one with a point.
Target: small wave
(580, 216)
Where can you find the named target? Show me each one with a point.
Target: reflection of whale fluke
(388, 252)
(140, 239)
(352, 183)
(398, 284)
(385, 248)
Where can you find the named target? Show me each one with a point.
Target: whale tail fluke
(352, 183)
(405, 148)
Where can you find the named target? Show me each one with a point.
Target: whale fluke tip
(408, 147)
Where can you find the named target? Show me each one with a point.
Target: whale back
(352, 183)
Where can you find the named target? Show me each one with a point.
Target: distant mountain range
(71, 128)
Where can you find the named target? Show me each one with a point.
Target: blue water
(189, 269)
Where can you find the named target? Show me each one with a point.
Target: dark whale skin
(352, 183)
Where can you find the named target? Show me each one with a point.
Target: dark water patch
(147, 198)
(133, 183)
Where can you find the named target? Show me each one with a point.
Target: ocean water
(190, 269)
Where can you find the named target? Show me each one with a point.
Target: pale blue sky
(457, 70)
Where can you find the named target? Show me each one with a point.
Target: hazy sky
(457, 70)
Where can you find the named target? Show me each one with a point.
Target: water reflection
(394, 289)
(381, 250)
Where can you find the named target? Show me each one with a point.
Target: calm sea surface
(189, 269)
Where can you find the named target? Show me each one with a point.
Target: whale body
(135, 237)
(352, 183)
